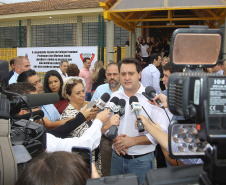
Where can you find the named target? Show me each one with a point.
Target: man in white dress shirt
(133, 150)
(150, 75)
(21, 64)
(63, 68)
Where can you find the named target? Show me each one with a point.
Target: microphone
(150, 94)
(100, 102)
(36, 115)
(112, 105)
(135, 108)
(34, 100)
(113, 131)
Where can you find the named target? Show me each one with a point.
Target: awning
(128, 14)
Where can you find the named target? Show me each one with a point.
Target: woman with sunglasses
(74, 91)
(53, 84)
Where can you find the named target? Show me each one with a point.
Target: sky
(15, 1)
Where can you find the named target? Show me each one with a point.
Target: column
(133, 45)
(79, 31)
(110, 41)
(29, 39)
(224, 55)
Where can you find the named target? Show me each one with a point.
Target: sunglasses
(72, 81)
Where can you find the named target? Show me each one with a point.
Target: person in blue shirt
(113, 82)
(112, 85)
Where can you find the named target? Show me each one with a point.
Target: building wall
(56, 32)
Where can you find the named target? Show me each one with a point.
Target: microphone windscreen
(133, 99)
(122, 103)
(115, 100)
(105, 97)
(149, 90)
(42, 99)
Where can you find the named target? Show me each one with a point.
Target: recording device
(113, 131)
(22, 132)
(130, 179)
(33, 100)
(100, 102)
(135, 108)
(200, 98)
(36, 115)
(86, 154)
(150, 94)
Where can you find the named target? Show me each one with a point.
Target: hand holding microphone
(162, 98)
(103, 116)
(120, 111)
(135, 108)
(100, 102)
(150, 94)
(112, 107)
(89, 113)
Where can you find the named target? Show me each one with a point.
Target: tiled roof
(47, 5)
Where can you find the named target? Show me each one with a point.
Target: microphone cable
(166, 114)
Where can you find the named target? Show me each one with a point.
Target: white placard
(43, 59)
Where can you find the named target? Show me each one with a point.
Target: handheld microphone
(150, 94)
(135, 108)
(36, 115)
(112, 105)
(33, 100)
(113, 131)
(100, 102)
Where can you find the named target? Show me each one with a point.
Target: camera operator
(90, 138)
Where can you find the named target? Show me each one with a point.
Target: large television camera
(201, 99)
(21, 137)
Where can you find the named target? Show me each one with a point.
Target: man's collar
(139, 91)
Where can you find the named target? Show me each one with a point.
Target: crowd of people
(70, 123)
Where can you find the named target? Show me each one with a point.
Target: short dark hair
(72, 70)
(46, 83)
(23, 77)
(130, 61)
(19, 88)
(62, 61)
(168, 66)
(154, 56)
(110, 64)
(220, 62)
(85, 59)
(55, 168)
(12, 61)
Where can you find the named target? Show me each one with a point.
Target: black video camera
(30, 136)
(201, 99)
